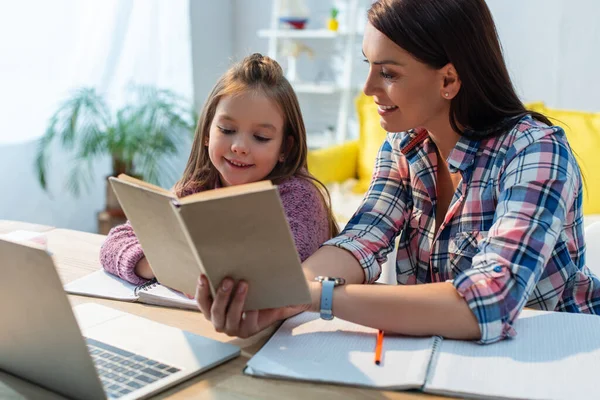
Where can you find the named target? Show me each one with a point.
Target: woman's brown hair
(258, 73)
(461, 32)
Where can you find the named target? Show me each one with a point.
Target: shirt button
(498, 269)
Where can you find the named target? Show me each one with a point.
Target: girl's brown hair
(258, 73)
(461, 32)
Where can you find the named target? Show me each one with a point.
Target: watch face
(336, 281)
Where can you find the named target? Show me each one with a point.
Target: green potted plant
(139, 137)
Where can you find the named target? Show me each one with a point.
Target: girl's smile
(237, 164)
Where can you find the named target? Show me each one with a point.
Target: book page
(554, 356)
(104, 285)
(227, 191)
(309, 348)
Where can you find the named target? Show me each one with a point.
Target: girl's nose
(239, 147)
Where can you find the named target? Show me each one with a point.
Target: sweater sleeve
(120, 253)
(306, 215)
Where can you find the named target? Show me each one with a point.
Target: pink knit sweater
(303, 207)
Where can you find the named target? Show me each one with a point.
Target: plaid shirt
(513, 233)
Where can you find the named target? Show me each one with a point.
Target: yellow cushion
(370, 138)
(536, 106)
(583, 133)
(335, 163)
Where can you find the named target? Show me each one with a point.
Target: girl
(250, 129)
(484, 196)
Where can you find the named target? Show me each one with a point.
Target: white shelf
(318, 88)
(340, 86)
(299, 33)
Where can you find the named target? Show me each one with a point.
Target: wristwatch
(327, 285)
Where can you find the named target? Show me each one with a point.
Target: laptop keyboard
(123, 372)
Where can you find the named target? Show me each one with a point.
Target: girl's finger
(234, 312)
(220, 303)
(203, 296)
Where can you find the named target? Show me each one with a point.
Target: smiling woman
(483, 196)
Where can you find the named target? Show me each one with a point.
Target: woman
(484, 195)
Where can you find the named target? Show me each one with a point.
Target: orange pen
(378, 347)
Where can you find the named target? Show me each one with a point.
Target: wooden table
(76, 255)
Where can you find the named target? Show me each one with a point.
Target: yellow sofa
(353, 162)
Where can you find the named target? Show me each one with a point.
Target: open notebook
(105, 285)
(553, 356)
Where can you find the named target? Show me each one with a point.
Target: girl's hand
(143, 270)
(225, 310)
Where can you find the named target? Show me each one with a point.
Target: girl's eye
(261, 138)
(225, 131)
(385, 75)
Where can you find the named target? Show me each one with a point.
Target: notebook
(108, 286)
(554, 356)
(239, 232)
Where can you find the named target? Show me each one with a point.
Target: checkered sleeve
(535, 191)
(370, 233)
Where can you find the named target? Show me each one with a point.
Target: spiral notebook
(554, 356)
(108, 286)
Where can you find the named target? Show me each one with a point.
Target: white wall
(21, 197)
(552, 49)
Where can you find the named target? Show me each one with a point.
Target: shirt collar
(462, 155)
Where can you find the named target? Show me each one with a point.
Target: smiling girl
(250, 129)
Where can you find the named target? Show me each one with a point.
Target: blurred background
(89, 88)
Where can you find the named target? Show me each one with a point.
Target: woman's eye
(385, 75)
(225, 131)
(261, 138)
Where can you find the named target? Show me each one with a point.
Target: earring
(446, 94)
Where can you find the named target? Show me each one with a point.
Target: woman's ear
(206, 141)
(450, 82)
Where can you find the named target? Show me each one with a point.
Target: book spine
(176, 206)
(437, 342)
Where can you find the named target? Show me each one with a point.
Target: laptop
(89, 351)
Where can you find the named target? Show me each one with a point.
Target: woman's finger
(220, 304)
(234, 312)
(203, 296)
(249, 324)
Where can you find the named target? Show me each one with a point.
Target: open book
(554, 356)
(107, 286)
(239, 232)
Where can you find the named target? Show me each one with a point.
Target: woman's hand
(226, 313)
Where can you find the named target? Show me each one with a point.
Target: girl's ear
(286, 148)
(206, 141)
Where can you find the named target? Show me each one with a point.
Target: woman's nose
(369, 88)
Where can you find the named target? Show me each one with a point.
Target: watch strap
(327, 299)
